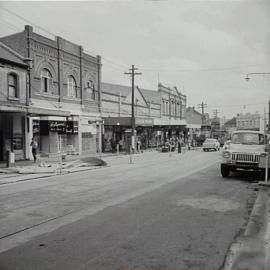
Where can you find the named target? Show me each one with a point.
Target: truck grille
(249, 158)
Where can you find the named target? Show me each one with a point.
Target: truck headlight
(226, 154)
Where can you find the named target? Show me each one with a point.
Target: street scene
(134, 135)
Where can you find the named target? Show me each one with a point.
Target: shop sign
(144, 122)
(52, 126)
(36, 127)
(57, 126)
(72, 127)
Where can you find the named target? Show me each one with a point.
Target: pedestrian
(34, 146)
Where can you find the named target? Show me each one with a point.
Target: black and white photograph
(135, 135)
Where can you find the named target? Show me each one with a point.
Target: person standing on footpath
(34, 146)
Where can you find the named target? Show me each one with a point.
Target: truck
(245, 151)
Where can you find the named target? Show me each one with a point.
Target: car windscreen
(210, 140)
(248, 138)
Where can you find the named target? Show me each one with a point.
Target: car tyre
(225, 170)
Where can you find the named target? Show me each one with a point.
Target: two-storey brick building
(159, 115)
(173, 109)
(13, 103)
(64, 110)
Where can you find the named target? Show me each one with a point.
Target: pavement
(250, 250)
(46, 167)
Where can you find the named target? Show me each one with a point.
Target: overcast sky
(204, 48)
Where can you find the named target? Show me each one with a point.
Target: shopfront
(12, 135)
(55, 134)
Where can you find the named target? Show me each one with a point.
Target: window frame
(15, 86)
(71, 87)
(90, 85)
(48, 81)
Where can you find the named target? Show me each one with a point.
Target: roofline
(13, 62)
(12, 51)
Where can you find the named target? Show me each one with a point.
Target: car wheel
(225, 170)
(204, 150)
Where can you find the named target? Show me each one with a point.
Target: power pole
(215, 112)
(269, 118)
(202, 106)
(132, 73)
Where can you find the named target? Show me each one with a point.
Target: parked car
(243, 151)
(210, 144)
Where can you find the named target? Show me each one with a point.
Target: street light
(267, 155)
(255, 73)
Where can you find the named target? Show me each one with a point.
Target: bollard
(8, 158)
(179, 148)
(266, 167)
(117, 149)
(130, 155)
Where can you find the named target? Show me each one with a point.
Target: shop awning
(13, 108)
(117, 121)
(42, 111)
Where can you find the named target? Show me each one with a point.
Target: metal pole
(269, 118)
(132, 111)
(266, 168)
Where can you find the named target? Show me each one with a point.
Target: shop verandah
(117, 132)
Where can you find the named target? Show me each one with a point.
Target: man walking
(34, 145)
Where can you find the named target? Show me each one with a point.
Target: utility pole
(215, 112)
(202, 106)
(132, 73)
(269, 118)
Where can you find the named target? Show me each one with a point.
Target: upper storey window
(13, 86)
(71, 87)
(46, 81)
(90, 90)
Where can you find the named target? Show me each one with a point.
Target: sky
(204, 48)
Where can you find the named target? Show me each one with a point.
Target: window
(248, 138)
(46, 81)
(90, 90)
(71, 87)
(164, 108)
(12, 86)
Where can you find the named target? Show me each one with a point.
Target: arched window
(90, 90)
(46, 81)
(71, 87)
(13, 86)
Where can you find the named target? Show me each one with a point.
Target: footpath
(47, 167)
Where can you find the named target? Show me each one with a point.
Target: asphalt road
(162, 213)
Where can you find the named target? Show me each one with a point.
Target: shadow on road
(247, 176)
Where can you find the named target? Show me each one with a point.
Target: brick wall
(21, 73)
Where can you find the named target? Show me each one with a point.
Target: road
(162, 212)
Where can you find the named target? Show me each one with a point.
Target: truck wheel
(225, 170)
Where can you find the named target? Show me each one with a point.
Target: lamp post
(247, 78)
(267, 153)
(255, 73)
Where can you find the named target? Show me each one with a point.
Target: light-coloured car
(243, 151)
(211, 144)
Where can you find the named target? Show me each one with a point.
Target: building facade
(155, 123)
(64, 111)
(173, 109)
(248, 121)
(194, 123)
(13, 103)
(230, 127)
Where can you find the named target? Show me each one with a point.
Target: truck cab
(243, 152)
